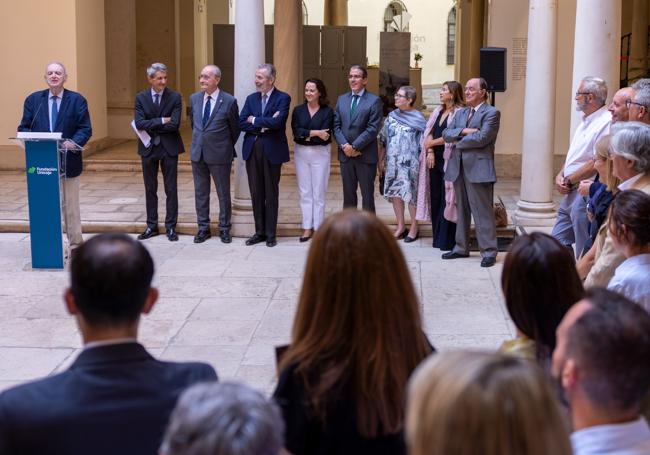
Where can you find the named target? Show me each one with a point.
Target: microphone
(31, 125)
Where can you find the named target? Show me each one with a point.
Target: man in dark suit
(214, 117)
(61, 110)
(356, 123)
(471, 168)
(265, 148)
(158, 112)
(115, 398)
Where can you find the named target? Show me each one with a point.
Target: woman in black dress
(433, 158)
(357, 337)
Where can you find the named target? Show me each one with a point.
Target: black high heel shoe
(410, 239)
(402, 234)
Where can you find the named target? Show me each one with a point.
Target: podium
(45, 159)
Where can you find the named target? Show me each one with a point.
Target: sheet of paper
(142, 134)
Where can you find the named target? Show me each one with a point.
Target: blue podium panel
(44, 198)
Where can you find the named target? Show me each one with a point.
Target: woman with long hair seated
(629, 227)
(539, 283)
(357, 337)
(466, 403)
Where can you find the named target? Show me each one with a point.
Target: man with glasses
(638, 106)
(356, 123)
(571, 225)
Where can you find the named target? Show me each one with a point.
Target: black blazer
(148, 117)
(302, 123)
(114, 399)
(73, 122)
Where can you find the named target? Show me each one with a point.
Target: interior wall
(155, 39)
(80, 47)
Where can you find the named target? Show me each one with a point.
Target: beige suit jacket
(607, 257)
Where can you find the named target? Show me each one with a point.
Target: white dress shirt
(581, 150)
(631, 438)
(632, 279)
(213, 101)
(629, 183)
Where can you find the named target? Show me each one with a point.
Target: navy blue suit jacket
(274, 138)
(73, 122)
(148, 117)
(114, 399)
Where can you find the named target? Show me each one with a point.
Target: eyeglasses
(398, 95)
(628, 103)
(354, 76)
(582, 94)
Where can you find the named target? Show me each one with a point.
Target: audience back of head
(110, 279)
(223, 419)
(356, 309)
(540, 283)
(603, 355)
(466, 403)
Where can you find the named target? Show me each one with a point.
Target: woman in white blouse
(629, 227)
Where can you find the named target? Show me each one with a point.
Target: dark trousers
(169, 166)
(355, 173)
(201, 172)
(264, 183)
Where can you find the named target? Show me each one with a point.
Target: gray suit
(360, 131)
(471, 169)
(212, 152)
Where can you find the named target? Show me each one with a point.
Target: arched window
(305, 14)
(395, 17)
(451, 36)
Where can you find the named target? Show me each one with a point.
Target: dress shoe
(225, 236)
(172, 235)
(454, 255)
(202, 236)
(409, 239)
(271, 242)
(255, 239)
(488, 261)
(305, 239)
(148, 233)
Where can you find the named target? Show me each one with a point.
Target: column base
(534, 213)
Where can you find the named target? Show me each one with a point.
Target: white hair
(155, 67)
(631, 140)
(597, 87)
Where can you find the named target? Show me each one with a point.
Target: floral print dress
(402, 145)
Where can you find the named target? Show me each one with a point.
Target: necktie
(157, 99)
(470, 116)
(355, 102)
(55, 113)
(206, 111)
(264, 100)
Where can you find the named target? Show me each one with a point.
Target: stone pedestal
(535, 208)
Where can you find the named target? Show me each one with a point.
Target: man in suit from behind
(263, 119)
(474, 130)
(357, 118)
(158, 112)
(214, 117)
(115, 398)
(61, 110)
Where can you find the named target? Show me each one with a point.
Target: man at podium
(60, 110)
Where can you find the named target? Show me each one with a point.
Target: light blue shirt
(49, 106)
(360, 94)
(631, 279)
(631, 438)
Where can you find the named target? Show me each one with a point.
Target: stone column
(535, 206)
(287, 51)
(336, 12)
(597, 45)
(249, 53)
(638, 63)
